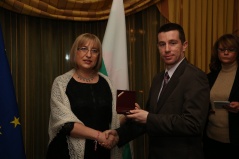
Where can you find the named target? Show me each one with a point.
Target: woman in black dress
(82, 106)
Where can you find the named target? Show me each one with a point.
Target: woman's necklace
(85, 79)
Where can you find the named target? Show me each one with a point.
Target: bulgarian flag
(114, 45)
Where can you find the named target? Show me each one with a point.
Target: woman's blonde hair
(82, 40)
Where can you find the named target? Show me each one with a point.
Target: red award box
(125, 101)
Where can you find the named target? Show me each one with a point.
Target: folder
(125, 101)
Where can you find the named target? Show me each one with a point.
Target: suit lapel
(168, 90)
(156, 90)
(235, 86)
(172, 84)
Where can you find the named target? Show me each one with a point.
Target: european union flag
(11, 143)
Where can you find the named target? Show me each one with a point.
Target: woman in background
(221, 138)
(82, 106)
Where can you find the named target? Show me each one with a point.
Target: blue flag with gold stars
(11, 143)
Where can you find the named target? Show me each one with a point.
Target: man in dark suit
(174, 118)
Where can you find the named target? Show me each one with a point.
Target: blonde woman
(82, 106)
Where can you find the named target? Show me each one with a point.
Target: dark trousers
(219, 150)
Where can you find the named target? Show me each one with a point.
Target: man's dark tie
(166, 79)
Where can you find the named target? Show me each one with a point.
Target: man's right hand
(112, 139)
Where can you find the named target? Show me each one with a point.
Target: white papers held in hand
(221, 104)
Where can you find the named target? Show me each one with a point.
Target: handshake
(107, 139)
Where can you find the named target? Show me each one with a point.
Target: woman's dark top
(92, 104)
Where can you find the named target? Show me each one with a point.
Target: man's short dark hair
(173, 26)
